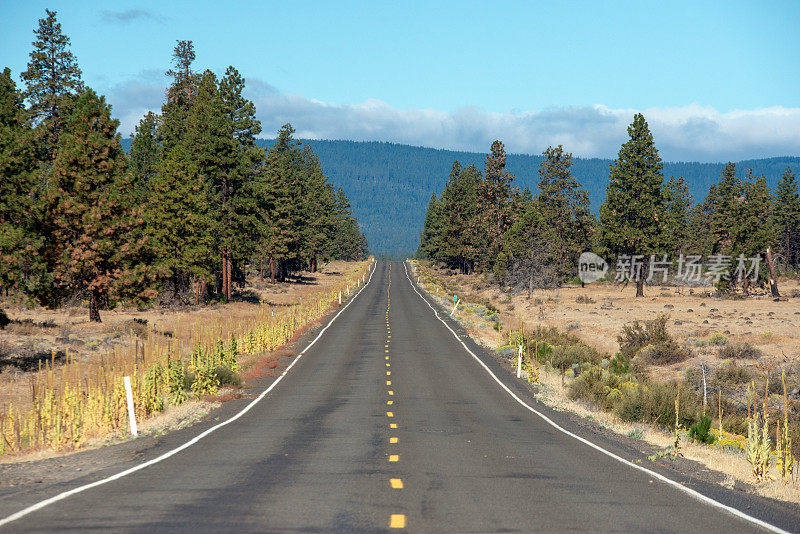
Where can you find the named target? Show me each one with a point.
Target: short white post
(273, 312)
(340, 297)
(519, 362)
(348, 290)
(129, 397)
(454, 307)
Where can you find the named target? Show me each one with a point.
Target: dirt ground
(37, 333)
(598, 311)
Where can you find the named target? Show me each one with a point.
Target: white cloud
(686, 133)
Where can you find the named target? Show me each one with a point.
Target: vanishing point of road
(387, 423)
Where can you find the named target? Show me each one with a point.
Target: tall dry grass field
(64, 404)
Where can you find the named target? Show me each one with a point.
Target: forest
(389, 184)
(483, 222)
(181, 217)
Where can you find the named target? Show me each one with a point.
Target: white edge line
(693, 493)
(79, 489)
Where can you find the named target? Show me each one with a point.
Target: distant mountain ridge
(389, 184)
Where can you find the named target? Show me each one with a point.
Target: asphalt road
(388, 422)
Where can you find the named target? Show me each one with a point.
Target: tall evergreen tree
(180, 95)
(633, 213)
(753, 230)
(21, 264)
(94, 227)
(787, 218)
(146, 153)
(565, 211)
(724, 202)
(52, 74)
(497, 196)
(430, 241)
(180, 223)
(462, 240)
(677, 209)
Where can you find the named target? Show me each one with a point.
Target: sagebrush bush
(732, 374)
(741, 350)
(584, 299)
(227, 377)
(650, 343)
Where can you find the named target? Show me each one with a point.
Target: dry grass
(66, 403)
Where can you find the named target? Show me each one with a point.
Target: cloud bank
(686, 133)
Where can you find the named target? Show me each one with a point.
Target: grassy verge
(69, 403)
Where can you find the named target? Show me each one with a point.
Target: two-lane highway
(386, 422)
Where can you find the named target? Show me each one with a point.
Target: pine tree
(677, 209)
(52, 74)
(632, 215)
(179, 221)
(146, 153)
(787, 218)
(724, 205)
(461, 239)
(180, 95)
(497, 196)
(21, 264)
(565, 210)
(753, 230)
(94, 226)
(431, 237)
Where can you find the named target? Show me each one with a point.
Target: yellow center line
(397, 521)
(394, 457)
(397, 483)
(389, 414)
(389, 402)
(388, 382)
(392, 440)
(392, 425)
(390, 392)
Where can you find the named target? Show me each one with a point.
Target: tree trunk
(746, 285)
(261, 267)
(229, 285)
(640, 286)
(773, 279)
(314, 263)
(94, 313)
(271, 270)
(224, 274)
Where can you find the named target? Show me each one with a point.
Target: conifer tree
(497, 199)
(787, 218)
(52, 75)
(94, 227)
(461, 239)
(564, 208)
(677, 209)
(21, 264)
(724, 202)
(431, 237)
(633, 212)
(145, 154)
(180, 95)
(753, 230)
(180, 222)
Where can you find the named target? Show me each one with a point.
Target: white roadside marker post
(454, 307)
(340, 297)
(519, 362)
(348, 290)
(129, 397)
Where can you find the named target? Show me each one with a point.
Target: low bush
(732, 374)
(584, 299)
(701, 430)
(227, 377)
(650, 343)
(740, 351)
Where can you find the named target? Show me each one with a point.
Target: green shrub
(740, 351)
(700, 431)
(650, 343)
(226, 376)
(584, 299)
(718, 339)
(733, 374)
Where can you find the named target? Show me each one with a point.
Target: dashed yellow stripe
(397, 521)
(397, 483)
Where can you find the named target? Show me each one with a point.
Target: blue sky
(716, 80)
